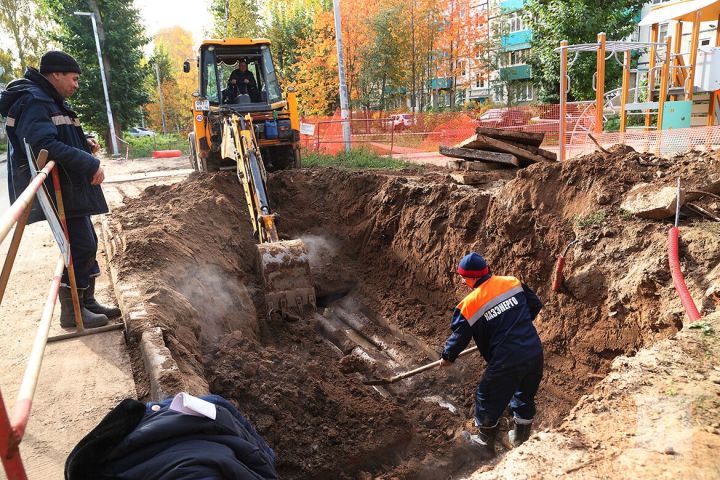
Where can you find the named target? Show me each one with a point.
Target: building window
(515, 22)
(662, 32)
(479, 81)
(524, 91)
(517, 57)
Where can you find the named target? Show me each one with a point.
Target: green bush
(144, 146)
(355, 158)
(592, 219)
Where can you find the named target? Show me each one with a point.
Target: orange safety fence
(426, 132)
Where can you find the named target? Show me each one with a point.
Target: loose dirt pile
(654, 416)
(383, 250)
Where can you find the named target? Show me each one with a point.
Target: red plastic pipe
(166, 153)
(678, 279)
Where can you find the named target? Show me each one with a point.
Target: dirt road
(82, 379)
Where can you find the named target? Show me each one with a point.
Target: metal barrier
(12, 428)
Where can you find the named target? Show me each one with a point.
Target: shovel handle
(429, 366)
(558, 280)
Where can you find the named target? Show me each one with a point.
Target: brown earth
(383, 248)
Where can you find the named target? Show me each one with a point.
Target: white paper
(189, 405)
(307, 129)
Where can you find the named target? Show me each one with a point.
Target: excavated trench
(382, 250)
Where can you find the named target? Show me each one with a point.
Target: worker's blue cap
(473, 265)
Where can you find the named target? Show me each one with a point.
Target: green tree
(578, 21)
(122, 38)
(235, 18)
(286, 24)
(385, 68)
(19, 18)
(6, 66)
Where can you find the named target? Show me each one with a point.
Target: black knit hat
(55, 61)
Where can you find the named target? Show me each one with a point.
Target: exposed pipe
(559, 265)
(674, 260)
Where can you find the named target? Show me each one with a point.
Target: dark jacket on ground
(36, 112)
(499, 315)
(135, 443)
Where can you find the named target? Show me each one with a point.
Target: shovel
(397, 378)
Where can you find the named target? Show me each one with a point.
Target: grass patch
(355, 158)
(595, 218)
(144, 146)
(3, 146)
(705, 327)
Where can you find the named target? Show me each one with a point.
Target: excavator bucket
(286, 276)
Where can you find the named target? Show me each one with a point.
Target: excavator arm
(285, 264)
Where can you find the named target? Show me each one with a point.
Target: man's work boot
(67, 313)
(520, 433)
(95, 307)
(484, 441)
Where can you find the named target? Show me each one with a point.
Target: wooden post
(690, 85)
(600, 84)
(654, 35)
(717, 32)
(70, 267)
(563, 98)
(713, 107)
(677, 62)
(665, 74)
(624, 92)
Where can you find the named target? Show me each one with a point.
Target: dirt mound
(383, 249)
(409, 232)
(654, 416)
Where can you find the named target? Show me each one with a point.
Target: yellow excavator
(243, 123)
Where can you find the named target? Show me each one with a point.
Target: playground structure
(667, 69)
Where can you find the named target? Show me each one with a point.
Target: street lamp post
(111, 124)
(344, 103)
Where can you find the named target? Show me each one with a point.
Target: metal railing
(12, 427)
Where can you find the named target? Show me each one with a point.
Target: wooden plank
(537, 151)
(476, 166)
(469, 178)
(488, 143)
(528, 138)
(472, 154)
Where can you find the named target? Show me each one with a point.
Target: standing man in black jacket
(38, 114)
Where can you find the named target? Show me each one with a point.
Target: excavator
(243, 123)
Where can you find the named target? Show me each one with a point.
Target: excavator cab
(243, 123)
(227, 86)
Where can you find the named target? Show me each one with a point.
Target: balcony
(516, 40)
(440, 83)
(511, 5)
(515, 72)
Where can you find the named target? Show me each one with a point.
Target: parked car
(503, 117)
(140, 132)
(402, 120)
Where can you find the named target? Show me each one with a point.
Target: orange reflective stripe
(490, 294)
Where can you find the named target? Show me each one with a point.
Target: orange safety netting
(408, 133)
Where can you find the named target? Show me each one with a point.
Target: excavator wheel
(286, 277)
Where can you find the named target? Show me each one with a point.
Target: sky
(191, 15)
